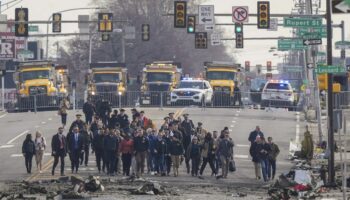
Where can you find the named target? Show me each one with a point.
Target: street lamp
(62, 11)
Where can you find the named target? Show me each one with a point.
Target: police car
(192, 91)
(278, 93)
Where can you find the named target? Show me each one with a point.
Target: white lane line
(232, 126)
(2, 116)
(242, 145)
(20, 155)
(6, 146)
(18, 136)
(43, 122)
(241, 156)
(238, 111)
(233, 121)
(49, 119)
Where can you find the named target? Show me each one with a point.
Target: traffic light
(145, 32)
(201, 40)
(191, 24)
(21, 19)
(322, 81)
(238, 28)
(239, 40)
(105, 23)
(263, 14)
(268, 66)
(105, 37)
(56, 24)
(180, 8)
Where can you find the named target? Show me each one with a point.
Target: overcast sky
(254, 51)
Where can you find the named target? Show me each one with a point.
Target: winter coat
(56, 144)
(141, 144)
(193, 151)
(28, 147)
(201, 133)
(79, 123)
(176, 148)
(274, 151)
(207, 148)
(225, 147)
(71, 142)
(111, 143)
(188, 129)
(253, 135)
(126, 146)
(98, 142)
(88, 108)
(152, 143)
(123, 121)
(161, 146)
(86, 139)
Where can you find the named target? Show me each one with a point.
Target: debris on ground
(150, 188)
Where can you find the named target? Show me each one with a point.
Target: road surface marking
(2, 116)
(44, 168)
(18, 136)
(6, 146)
(232, 126)
(20, 155)
(49, 119)
(43, 122)
(242, 145)
(241, 156)
(233, 121)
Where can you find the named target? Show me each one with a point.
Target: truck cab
(159, 79)
(107, 80)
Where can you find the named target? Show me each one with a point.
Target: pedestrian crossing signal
(180, 11)
(105, 23)
(263, 14)
(201, 40)
(21, 22)
(105, 37)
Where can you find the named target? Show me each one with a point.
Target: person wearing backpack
(28, 150)
(40, 145)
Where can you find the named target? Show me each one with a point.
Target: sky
(254, 51)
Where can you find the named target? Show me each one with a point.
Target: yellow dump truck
(107, 81)
(158, 80)
(42, 82)
(222, 77)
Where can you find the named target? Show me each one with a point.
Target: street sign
(206, 14)
(312, 42)
(289, 44)
(309, 36)
(273, 24)
(33, 28)
(209, 27)
(239, 14)
(25, 54)
(7, 49)
(304, 31)
(324, 69)
(342, 45)
(302, 22)
(340, 6)
(215, 39)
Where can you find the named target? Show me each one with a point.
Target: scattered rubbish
(150, 188)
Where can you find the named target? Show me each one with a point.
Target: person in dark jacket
(255, 147)
(104, 110)
(194, 153)
(111, 145)
(152, 151)
(168, 161)
(95, 125)
(237, 95)
(208, 154)
(28, 151)
(225, 150)
(176, 151)
(161, 150)
(98, 147)
(134, 113)
(78, 122)
(113, 121)
(59, 150)
(126, 149)
(87, 142)
(252, 136)
(188, 130)
(123, 120)
(89, 110)
(75, 148)
(274, 151)
(264, 159)
(141, 145)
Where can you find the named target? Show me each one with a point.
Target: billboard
(7, 49)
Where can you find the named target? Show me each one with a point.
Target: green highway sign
(289, 44)
(324, 69)
(342, 45)
(33, 28)
(309, 36)
(302, 22)
(304, 30)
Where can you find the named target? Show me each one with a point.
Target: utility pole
(331, 172)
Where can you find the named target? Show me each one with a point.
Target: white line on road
(49, 119)
(242, 145)
(43, 122)
(18, 136)
(232, 126)
(6, 146)
(20, 155)
(241, 156)
(2, 116)
(233, 121)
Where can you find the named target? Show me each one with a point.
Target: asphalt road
(280, 124)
